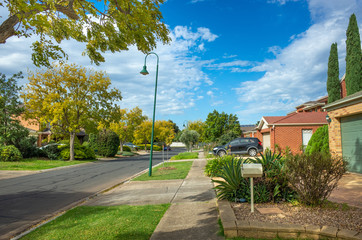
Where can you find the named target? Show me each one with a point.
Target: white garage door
(266, 141)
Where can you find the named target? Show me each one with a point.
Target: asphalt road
(26, 200)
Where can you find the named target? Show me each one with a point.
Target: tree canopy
(189, 138)
(333, 84)
(10, 109)
(104, 25)
(218, 124)
(353, 57)
(70, 98)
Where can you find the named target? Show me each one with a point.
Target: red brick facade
(287, 131)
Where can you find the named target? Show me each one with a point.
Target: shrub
(314, 176)
(107, 143)
(319, 142)
(234, 186)
(10, 154)
(27, 147)
(126, 149)
(52, 151)
(155, 147)
(80, 152)
(274, 180)
(213, 167)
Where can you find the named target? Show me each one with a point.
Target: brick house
(293, 130)
(248, 130)
(345, 128)
(35, 129)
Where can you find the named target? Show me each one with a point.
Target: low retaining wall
(253, 229)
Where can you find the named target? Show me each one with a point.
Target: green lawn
(102, 223)
(186, 155)
(36, 164)
(167, 171)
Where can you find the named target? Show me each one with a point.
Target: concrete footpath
(193, 213)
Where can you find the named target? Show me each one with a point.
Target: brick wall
(335, 145)
(30, 124)
(290, 136)
(343, 89)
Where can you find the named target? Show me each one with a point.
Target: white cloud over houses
(180, 73)
(299, 71)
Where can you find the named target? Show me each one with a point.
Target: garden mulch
(337, 215)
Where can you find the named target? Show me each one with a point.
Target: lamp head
(329, 120)
(144, 70)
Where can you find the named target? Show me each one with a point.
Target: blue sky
(251, 58)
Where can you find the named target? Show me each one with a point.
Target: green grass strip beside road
(36, 164)
(167, 171)
(103, 223)
(186, 155)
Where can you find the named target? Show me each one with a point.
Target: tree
(218, 124)
(126, 126)
(142, 134)
(109, 25)
(353, 57)
(11, 132)
(189, 138)
(333, 84)
(70, 98)
(319, 142)
(198, 126)
(165, 131)
(175, 127)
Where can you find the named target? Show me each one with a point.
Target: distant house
(293, 131)
(313, 106)
(35, 129)
(248, 130)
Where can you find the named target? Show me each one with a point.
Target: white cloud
(180, 72)
(299, 71)
(281, 2)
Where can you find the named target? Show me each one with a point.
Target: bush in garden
(233, 186)
(274, 180)
(126, 148)
(315, 176)
(107, 143)
(27, 147)
(155, 147)
(10, 153)
(81, 152)
(52, 151)
(319, 141)
(213, 167)
(92, 141)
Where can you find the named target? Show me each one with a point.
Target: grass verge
(37, 164)
(103, 223)
(185, 155)
(167, 171)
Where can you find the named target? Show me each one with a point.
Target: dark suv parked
(251, 146)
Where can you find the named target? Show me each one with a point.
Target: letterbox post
(252, 170)
(252, 194)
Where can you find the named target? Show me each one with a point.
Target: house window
(306, 135)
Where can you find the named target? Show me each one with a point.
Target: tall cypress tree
(353, 57)
(333, 84)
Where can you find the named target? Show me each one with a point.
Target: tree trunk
(121, 146)
(71, 143)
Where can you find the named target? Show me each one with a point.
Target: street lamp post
(145, 72)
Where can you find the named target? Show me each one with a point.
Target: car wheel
(221, 153)
(252, 152)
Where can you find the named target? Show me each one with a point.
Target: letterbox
(251, 170)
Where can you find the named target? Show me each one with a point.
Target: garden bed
(336, 215)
